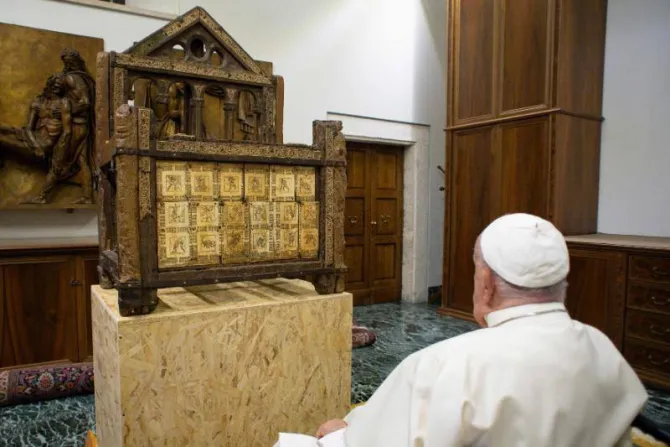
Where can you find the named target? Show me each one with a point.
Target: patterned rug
(362, 336)
(21, 386)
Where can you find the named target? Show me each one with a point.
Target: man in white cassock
(532, 377)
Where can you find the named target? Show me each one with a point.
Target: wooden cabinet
(509, 58)
(45, 301)
(523, 131)
(596, 290)
(621, 285)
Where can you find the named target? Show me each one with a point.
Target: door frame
(414, 139)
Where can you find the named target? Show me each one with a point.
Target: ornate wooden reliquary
(195, 186)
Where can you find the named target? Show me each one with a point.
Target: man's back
(533, 380)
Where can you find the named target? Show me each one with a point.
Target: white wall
(635, 151)
(377, 58)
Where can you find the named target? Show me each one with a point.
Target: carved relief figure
(45, 125)
(177, 215)
(207, 213)
(246, 114)
(59, 129)
(173, 183)
(260, 214)
(80, 88)
(230, 184)
(256, 185)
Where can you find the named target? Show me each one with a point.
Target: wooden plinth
(228, 364)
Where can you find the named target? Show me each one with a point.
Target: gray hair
(552, 293)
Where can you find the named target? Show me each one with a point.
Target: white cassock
(535, 377)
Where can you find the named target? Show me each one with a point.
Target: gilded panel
(282, 184)
(231, 181)
(305, 184)
(256, 182)
(309, 230)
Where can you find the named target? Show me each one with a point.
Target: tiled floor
(401, 330)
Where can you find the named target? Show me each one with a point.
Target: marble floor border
(415, 139)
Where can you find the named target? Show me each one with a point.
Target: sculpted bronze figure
(58, 134)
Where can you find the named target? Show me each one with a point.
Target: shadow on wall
(430, 107)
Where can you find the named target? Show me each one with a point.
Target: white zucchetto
(525, 250)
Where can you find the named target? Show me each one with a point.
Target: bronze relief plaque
(46, 118)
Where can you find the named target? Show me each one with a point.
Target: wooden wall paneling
(387, 214)
(580, 54)
(575, 174)
(474, 31)
(475, 180)
(40, 310)
(526, 54)
(356, 224)
(597, 289)
(525, 156)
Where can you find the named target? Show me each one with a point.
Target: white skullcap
(525, 251)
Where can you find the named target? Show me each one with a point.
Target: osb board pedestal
(227, 364)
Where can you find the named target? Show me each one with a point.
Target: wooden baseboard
(456, 314)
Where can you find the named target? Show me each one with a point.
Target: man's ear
(489, 285)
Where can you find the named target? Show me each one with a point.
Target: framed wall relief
(196, 185)
(47, 99)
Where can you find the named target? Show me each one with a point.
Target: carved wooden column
(229, 108)
(197, 111)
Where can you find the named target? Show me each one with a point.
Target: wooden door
(38, 321)
(473, 192)
(596, 290)
(524, 152)
(373, 222)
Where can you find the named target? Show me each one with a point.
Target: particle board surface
(226, 364)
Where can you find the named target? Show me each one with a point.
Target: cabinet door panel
(596, 290)
(40, 312)
(525, 166)
(474, 48)
(526, 54)
(474, 176)
(88, 268)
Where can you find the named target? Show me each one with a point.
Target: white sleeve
(420, 403)
(386, 416)
(626, 440)
(439, 408)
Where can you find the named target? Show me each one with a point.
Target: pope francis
(532, 377)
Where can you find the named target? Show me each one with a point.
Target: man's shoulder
(459, 343)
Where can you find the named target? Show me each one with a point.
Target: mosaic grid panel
(203, 181)
(231, 213)
(234, 232)
(282, 184)
(285, 229)
(309, 230)
(206, 243)
(305, 184)
(173, 181)
(256, 183)
(261, 222)
(231, 181)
